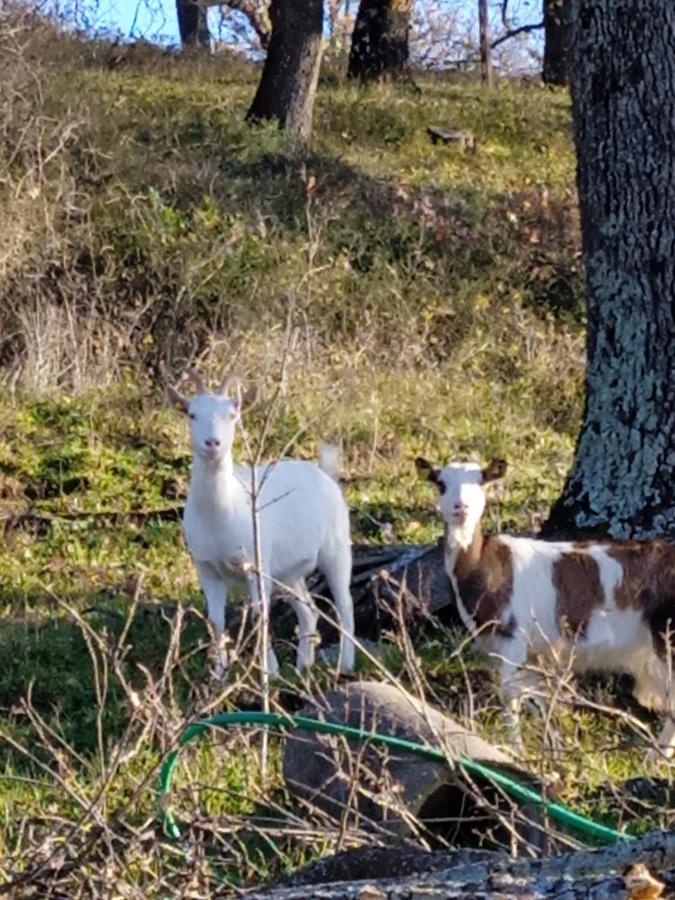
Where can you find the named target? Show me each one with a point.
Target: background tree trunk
(486, 75)
(193, 24)
(291, 72)
(379, 49)
(556, 40)
(622, 73)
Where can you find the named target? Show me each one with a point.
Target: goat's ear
(426, 471)
(495, 469)
(175, 398)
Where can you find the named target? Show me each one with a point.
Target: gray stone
(462, 139)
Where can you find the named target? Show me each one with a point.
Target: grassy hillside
(424, 301)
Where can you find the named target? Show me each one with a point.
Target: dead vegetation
(436, 304)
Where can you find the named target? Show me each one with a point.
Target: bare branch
(514, 32)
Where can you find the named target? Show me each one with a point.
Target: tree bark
(291, 71)
(556, 41)
(379, 49)
(193, 24)
(618, 872)
(622, 73)
(486, 74)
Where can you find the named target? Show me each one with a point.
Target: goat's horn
(227, 382)
(196, 378)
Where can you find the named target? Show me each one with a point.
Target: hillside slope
(406, 299)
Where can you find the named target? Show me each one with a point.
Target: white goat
(598, 605)
(304, 525)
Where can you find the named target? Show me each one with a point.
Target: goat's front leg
(215, 592)
(512, 657)
(666, 741)
(654, 690)
(257, 607)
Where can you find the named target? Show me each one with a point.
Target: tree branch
(257, 14)
(522, 29)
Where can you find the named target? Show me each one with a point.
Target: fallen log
(368, 862)
(641, 869)
(394, 581)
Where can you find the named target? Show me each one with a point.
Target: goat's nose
(212, 442)
(460, 508)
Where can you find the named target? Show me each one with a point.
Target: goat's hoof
(346, 662)
(655, 758)
(304, 658)
(515, 748)
(302, 665)
(219, 672)
(272, 664)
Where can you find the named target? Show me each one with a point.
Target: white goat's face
(462, 497)
(213, 420)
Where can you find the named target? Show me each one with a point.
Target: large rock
(383, 787)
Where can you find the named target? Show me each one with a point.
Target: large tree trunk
(193, 24)
(622, 72)
(291, 72)
(556, 41)
(379, 49)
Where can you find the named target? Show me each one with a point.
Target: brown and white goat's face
(461, 494)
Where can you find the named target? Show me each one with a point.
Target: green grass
(436, 309)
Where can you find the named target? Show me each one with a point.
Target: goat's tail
(329, 459)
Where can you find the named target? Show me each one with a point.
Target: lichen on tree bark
(623, 88)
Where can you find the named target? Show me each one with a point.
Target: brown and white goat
(606, 606)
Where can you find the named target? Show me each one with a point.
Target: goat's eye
(192, 416)
(441, 486)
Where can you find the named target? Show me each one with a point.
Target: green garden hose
(593, 830)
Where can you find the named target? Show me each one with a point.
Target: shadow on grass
(53, 666)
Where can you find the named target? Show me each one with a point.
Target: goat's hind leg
(308, 617)
(666, 739)
(337, 567)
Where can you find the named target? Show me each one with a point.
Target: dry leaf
(370, 892)
(641, 884)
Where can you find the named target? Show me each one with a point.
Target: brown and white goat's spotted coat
(606, 606)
